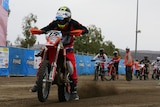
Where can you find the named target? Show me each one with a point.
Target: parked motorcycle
(54, 68)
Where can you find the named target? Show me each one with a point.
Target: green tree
(93, 41)
(89, 42)
(28, 40)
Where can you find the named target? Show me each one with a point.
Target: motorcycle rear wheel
(43, 84)
(96, 74)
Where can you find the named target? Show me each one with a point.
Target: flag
(3, 21)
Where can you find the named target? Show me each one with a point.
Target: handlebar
(76, 32)
(72, 33)
(35, 31)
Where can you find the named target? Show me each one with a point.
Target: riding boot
(34, 88)
(117, 76)
(74, 93)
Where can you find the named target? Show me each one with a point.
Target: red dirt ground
(120, 93)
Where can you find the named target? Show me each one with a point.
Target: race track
(119, 93)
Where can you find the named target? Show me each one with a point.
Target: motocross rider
(102, 57)
(116, 60)
(147, 62)
(156, 65)
(137, 67)
(65, 23)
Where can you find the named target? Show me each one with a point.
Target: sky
(115, 18)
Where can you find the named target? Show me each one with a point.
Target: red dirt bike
(143, 72)
(156, 73)
(110, 74)
(98, 70)
(54, 68)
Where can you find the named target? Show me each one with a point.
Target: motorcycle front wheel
(146, 75)
(64, 92)
(107, 76)
(154, 76)
(43, 84)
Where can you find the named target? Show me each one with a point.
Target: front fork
(54, 65)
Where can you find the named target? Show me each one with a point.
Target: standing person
(128, 64)
(116, 58)
(65, 24)
(101, 56)
(137, 68)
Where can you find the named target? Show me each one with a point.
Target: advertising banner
(4, 57)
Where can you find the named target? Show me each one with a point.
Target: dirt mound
(96, 89)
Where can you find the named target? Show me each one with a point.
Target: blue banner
(23, 63)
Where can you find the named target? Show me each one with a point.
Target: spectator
(128, 64)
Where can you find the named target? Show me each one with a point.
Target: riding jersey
(68, 40)
(116, 59)
(101, 57)
(156, 65)
(146, 62)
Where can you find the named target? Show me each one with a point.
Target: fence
(21, 62)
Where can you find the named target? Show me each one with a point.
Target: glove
(35, 31)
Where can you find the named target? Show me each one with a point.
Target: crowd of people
(132, 67)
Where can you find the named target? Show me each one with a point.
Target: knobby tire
(42, 83)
